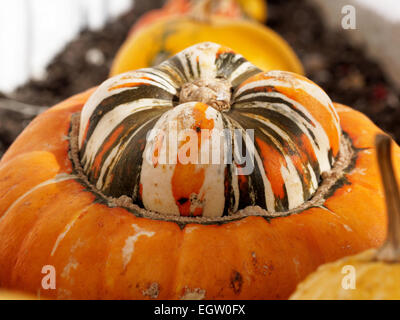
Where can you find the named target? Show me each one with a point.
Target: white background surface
(32, 32)
(390, 9)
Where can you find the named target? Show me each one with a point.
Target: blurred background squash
(152, 43)
(254, 9)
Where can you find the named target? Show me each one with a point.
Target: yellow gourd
(372, 274)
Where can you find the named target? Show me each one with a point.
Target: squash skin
(375, 280)
(156, 42)
(109, 253)
(11, 295)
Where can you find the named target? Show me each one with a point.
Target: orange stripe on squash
(224, 49)
(273, 161)
(105, 147)
(129, 85)
(201, 121)
(188, 178)
(186, 181)
(318, 111)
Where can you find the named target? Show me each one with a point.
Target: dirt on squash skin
(193, 294)
(152, 291)
(342, 69)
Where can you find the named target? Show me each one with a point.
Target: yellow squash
(158, 41)
(372, 274)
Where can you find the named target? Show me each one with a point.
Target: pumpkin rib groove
(68, 227)
(20, 238)
(362, 173)
(128, 249)
(76, 255)
(343, 192)
(323, 207)
(342, 220)
(32, 222)
(196, 280)
(343, 204)
(57, 179)
(54, 242)
(42, 167)
(173, 292)
(111, 223)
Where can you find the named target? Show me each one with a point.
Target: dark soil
(343, 70)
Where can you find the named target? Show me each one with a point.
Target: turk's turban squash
(86, 189)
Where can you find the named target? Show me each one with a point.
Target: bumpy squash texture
(375, 280)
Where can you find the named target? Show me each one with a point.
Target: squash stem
(201, 11)
(390, 251)
(214, 92)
